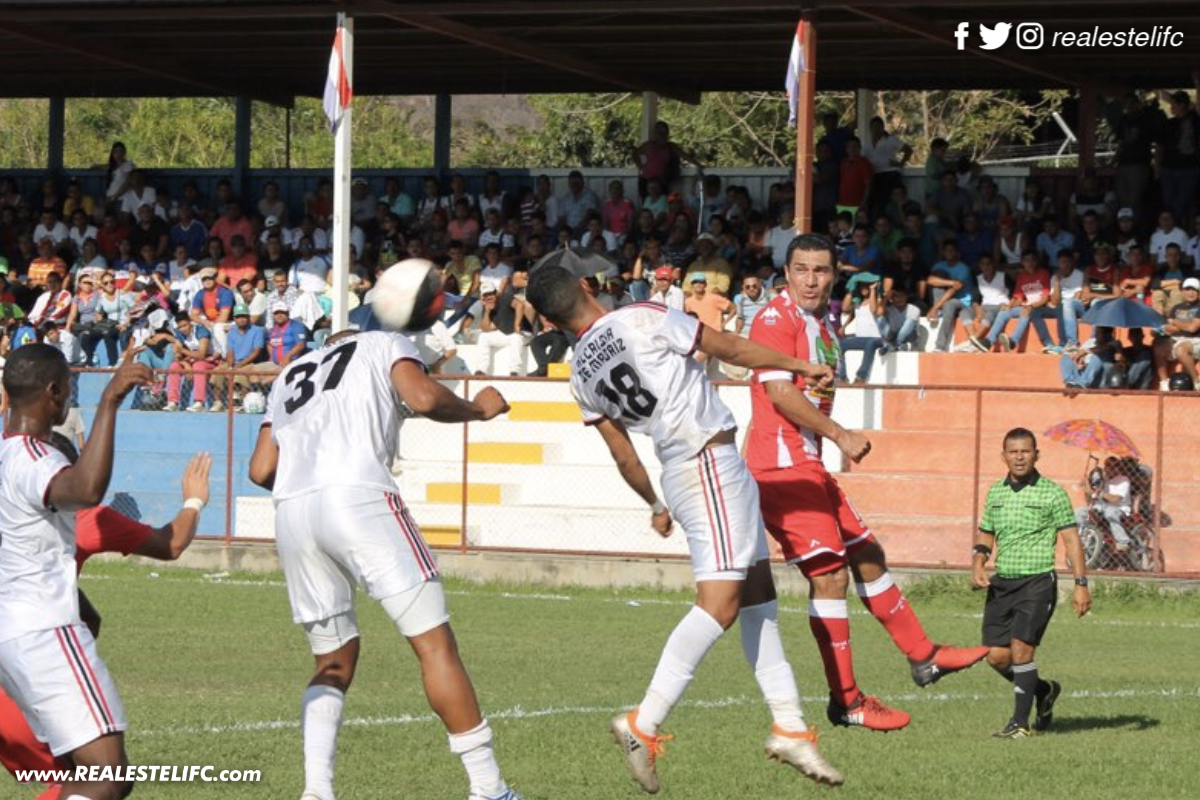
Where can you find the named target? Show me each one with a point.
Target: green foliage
(588, 130)
(26, 127)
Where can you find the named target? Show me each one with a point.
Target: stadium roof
(277, 49)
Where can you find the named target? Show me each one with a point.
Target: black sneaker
(1045, 707)
(1014, 730)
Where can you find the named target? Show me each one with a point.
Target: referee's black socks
(1026, 687)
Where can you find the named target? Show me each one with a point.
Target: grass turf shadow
(1139, 722)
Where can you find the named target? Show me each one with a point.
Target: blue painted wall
(153, 447)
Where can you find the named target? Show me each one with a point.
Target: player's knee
(868, 560)
(417, 610)
(999, 658)
(334, 643)
(830, 585)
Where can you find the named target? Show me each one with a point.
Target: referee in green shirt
(1023, 517)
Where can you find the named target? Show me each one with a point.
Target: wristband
(657, 508)
(982, 550)
(1082, 581)
(194, 503)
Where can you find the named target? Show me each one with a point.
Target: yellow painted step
(478, 494)
(442, 535)
(561, 370)
(544, 411)
(505, 453)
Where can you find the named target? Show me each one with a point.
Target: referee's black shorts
(1019, 608)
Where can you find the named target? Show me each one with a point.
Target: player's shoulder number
(300, 377)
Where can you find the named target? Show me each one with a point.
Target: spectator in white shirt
(1166, 234)
(52, 228)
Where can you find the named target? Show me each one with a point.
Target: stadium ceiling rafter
(278, 49)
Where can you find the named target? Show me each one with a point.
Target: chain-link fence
(538, 480)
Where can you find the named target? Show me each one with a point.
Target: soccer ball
(408, 296)
(254, 403)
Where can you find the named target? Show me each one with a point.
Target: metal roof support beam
(907, 22)
(443, 118)
(57, 41)
(528, 51)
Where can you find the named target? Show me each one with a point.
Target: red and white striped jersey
(774, 442)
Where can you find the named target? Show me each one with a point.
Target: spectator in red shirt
(241, 264)
(617, 211)
(1136, 277)
(854, 178)
(233, 223)
(1030, 303)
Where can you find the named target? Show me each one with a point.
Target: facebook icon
(961, 33)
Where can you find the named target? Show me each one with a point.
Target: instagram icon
(1030, 36)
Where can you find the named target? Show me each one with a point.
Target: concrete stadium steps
(570, 486)
(990, 369)
(914, 538)
(936, 495)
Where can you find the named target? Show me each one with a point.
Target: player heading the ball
(327, 440)
(633, 370)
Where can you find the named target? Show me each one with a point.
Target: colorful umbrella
(1093, 434)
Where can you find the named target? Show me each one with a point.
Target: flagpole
(805, 120)
(342, 161)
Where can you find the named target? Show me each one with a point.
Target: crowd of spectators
(202, 284)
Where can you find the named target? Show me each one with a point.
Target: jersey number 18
(627, 393)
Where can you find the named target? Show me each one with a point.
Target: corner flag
(338, 92)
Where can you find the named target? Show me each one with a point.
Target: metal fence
(536, 480)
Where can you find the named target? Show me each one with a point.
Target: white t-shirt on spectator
(131, 202)
(993, 292)
(882, 152)
(778, 240)
(56, 233)
(865, 323)
(1070, 286)
(610, 240)
(1160, 239)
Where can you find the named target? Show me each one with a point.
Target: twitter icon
(995, 37)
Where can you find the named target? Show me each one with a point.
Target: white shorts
(714, 499)
(62, 687)
(332, 539)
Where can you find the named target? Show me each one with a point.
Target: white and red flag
(796, 67)
(338, 91)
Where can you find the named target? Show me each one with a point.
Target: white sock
(474, 747)
(763, 649)
(686, 647)
(320, 719)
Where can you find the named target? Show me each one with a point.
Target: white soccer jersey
(336, 417)
(37, 543)
(635, 365)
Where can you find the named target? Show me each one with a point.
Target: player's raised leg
(883, 598)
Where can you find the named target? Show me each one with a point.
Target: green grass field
(211, 673)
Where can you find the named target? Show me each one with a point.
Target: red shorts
(19, 747)
(807, 513)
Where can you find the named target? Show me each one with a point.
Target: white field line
(634, 602)
(520, 713)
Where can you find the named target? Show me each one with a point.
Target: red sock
(52, 793)
(830, 623)
(884, 600)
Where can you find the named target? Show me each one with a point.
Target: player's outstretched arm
(1081, 600)
(634, 472)
(168, 542)
(431, 399)
(741, 352)
(84, 484)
